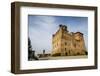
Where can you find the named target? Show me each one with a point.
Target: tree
(29, 49)
(31, 53)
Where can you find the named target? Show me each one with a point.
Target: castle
(65, 43)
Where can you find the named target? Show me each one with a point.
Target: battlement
(79, 33)
(65, 29)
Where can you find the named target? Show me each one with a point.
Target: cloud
(40, 32)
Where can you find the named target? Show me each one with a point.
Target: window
(74, 45)
(65, 43)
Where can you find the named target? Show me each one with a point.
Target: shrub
(86, 53)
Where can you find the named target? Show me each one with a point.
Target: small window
(65, 43)
(74, 45)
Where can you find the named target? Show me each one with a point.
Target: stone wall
(67, 44)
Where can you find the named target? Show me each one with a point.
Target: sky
(41, 28)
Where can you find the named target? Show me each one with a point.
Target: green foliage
(86, 53)
(31, 53)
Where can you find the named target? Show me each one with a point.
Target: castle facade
(65, 43)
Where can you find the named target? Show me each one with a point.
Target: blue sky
(41, 28)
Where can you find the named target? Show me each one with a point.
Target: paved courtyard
(63, 57)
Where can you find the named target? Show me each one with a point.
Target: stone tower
(67, 44)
